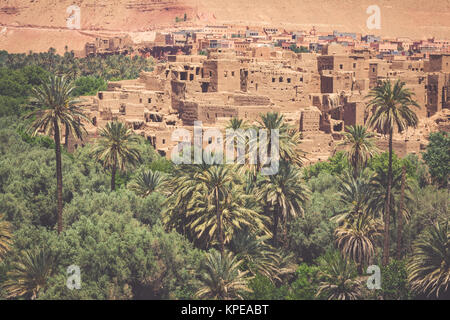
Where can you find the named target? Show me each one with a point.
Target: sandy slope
(414, 18)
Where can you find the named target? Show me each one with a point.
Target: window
(273, 79)
(341, 66)
(354, 65)
(149, 100)
(210, 73)
(164, 141)
(225, 74)
(232, 73)
(301, 79)
(288, 80)
(281, 79)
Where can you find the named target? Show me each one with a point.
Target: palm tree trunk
(285, 238)
(400, 215)
(59, 182)
(219, 225)
(66, 138)
(275, 228)
(113, 176)
(387, 210)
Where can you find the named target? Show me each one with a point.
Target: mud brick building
(319, 94)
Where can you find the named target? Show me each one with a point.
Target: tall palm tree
(146, 182)
(429, 268)
(116, 148)
(5, 237)
(379, 190)
(284, 195)
(356, 238)
(360, 146)
(29, 274)
(217, 184)
(390, 103)
(56, 108)
(339, 278)
(222, 278)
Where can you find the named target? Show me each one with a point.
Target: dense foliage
(170, 231)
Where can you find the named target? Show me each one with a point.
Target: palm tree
(238, 125)
(203, 198)
(289, 138)
(356, 238)
(360, 146)
(261, 258)
(29, 274)
(222, 278)
(379, 190)
(116, 148)
(57, 109)
(429, 267)
(5, 237)
(284, 195)
(391, 109)
(217, 183)
(146, 182)
(257, 256)
(235, 213)
(355, 194)
(181, 188)
(339, 278)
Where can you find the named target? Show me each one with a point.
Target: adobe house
(438, 89)
(223, 70)
(439, 63)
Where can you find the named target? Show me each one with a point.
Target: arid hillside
(36, 25)
(415, 18)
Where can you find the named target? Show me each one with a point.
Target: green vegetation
(300, 49)
(437, 157)
(140, 227)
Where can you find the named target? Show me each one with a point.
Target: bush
(264, 289)
(306, 284)
(437, 157)
(394, 281)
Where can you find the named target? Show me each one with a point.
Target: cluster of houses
(220, 72)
